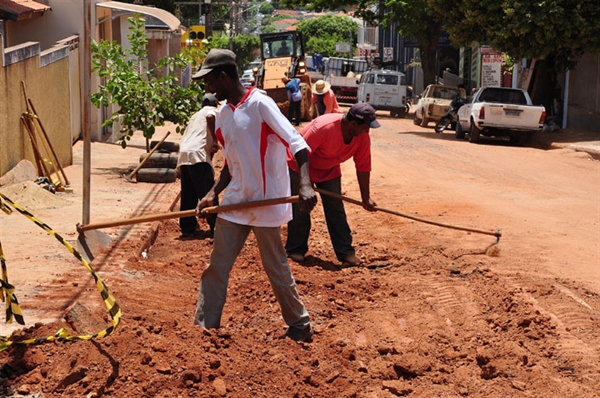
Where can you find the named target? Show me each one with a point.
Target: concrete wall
(64, 21)
(26, 63)
(59, 73)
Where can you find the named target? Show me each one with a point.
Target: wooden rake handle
(497, 233)
(188, 213)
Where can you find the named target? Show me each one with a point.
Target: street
(545, 202)
(431, 312)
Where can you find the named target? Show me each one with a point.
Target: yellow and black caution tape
(12, 305)
(8, 294)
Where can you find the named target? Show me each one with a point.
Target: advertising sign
(343, 47)
(388, 54)
(491, 70)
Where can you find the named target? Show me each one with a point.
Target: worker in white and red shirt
(255, 136)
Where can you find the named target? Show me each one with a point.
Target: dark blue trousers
(196, 180)
(335, 217)
(295, 108)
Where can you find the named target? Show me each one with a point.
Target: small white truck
(344, 87)
(384, 90)
(500, 112)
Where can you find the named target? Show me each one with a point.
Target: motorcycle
(448, 117)
(408, 103)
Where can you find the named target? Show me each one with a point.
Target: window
(503, 96)
(448, 94)
(367, 78)
(387, 79)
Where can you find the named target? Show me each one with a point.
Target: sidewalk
(577, 140)
(38, 265)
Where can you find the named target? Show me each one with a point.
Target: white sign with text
(491, 70)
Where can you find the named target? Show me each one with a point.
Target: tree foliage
(415, 19)
(245, 47)
(322, 33)
(559, 30)
(266, 8)
(330, 25)
(146, 96)
(270, 28)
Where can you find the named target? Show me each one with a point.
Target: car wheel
(416, 120)
(424, 121)
(459, 132)
(473, 133)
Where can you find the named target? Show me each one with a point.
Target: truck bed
(344, 88)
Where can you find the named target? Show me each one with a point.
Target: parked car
(248, 74)
(247, 78)
(500, 112)
(434, 103)
(384, 90)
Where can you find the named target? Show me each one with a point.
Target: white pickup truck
(500, 112)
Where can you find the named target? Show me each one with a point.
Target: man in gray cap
(334, 138)
(254, 135)
(194, 163)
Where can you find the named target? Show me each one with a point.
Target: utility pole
(231, 25)
(208, 18)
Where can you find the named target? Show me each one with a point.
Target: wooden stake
(49, 143)
(42, 170)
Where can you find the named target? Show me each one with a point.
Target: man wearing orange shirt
(324, 98)
(333, 139)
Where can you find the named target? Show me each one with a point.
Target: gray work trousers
(229, 238)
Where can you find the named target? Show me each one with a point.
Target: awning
(16, 10)
(165, 18)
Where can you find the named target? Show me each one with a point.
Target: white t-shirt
(196, 143)
(254, 135)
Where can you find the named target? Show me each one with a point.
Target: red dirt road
(434, 312)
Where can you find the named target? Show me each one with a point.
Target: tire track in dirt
(471, 299)
(577, 325)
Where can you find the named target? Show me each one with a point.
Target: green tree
(418, 20)
(322, 33)
(558, 30)
(415, 19)
(322, 45)
(266, 8)
(269, 29)
(555, 30)
(146, 96)
(245, 47)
